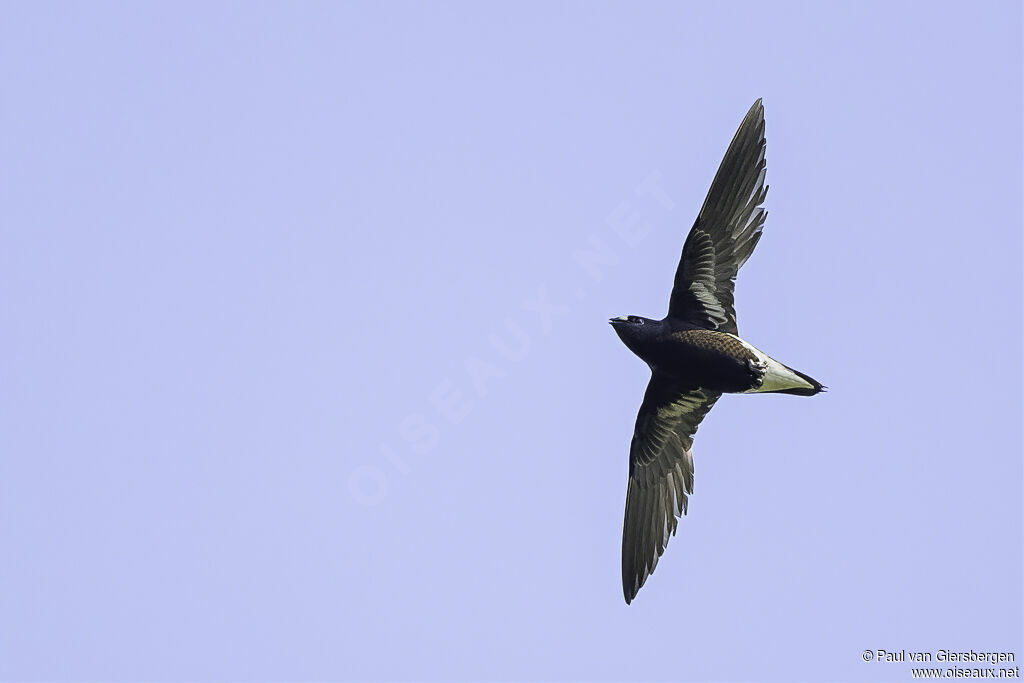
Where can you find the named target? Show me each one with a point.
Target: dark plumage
(695, 354)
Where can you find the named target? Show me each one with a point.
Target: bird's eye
(638, 321)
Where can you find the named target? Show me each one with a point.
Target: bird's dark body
(695, 354)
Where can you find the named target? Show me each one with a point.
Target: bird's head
(633, 330)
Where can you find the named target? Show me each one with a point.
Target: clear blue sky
(305, 366)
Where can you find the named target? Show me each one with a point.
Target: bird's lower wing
(660, 475)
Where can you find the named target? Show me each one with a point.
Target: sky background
(305, 366)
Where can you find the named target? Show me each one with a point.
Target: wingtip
(756, 110)
(630, 586)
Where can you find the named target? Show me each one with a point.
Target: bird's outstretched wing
(725, 233)
(660, 475)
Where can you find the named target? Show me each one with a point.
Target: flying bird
(695, 354)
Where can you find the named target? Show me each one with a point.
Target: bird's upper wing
(725, 233)
(660, 474)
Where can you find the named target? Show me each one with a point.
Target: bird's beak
(620, 319)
